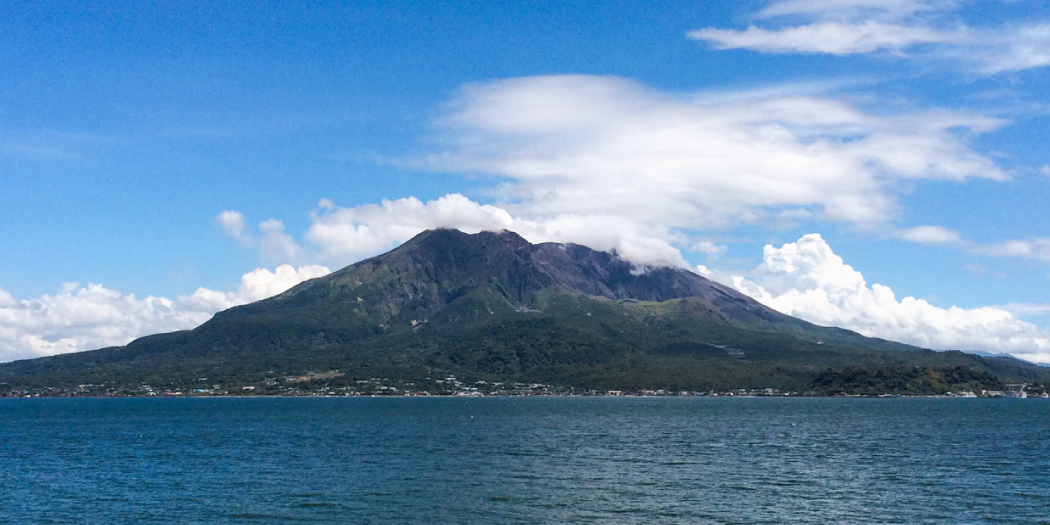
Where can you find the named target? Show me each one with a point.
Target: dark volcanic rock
(456, 262)
(436, 267)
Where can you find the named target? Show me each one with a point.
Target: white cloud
(1036, 248)
(855, 9)
(232, 223)
(807, 279)
(1007, 49)
(1045, 170)
(276, 245)
(928, 30)
(346, 235)
(6, 300)
(931, 235)
(85, 318)
(255, 285)
(644, 245)
(608, 146)
(709, 248)
(610, 163)
(828, 37)
(1027, 309)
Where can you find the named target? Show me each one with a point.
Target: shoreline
(446, 396)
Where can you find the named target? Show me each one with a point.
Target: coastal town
(328, 384)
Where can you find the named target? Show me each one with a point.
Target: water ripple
(524, 461)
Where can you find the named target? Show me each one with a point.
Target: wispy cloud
(589, 145)
(924, 30)
(828, 37)
(931, 235)
(52, 145)
(1000, 50)
(885, 10)
(1027, 309)
(709, 249)
(1037, 248)
(1034, 248)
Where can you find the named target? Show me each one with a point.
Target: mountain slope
(494, 307)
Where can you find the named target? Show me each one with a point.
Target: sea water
(524, 460)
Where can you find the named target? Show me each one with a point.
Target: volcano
(492, 307)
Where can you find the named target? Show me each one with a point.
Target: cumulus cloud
(6, 300)
(85, 318)
(925, 29)
(256, 285)
(601, 145)
(807, 279)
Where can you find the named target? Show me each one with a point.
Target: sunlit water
(525, 460)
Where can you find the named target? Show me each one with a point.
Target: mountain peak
(444, 264)
(451, 236)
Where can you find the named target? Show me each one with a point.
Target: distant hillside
(492, 307)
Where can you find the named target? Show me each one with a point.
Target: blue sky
(160, 162)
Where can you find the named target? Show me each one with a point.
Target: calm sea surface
(525, 460)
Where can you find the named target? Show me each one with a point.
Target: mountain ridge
(522, 269)
(494, 307)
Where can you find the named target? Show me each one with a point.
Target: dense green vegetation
(493, 308)
(904, 380)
